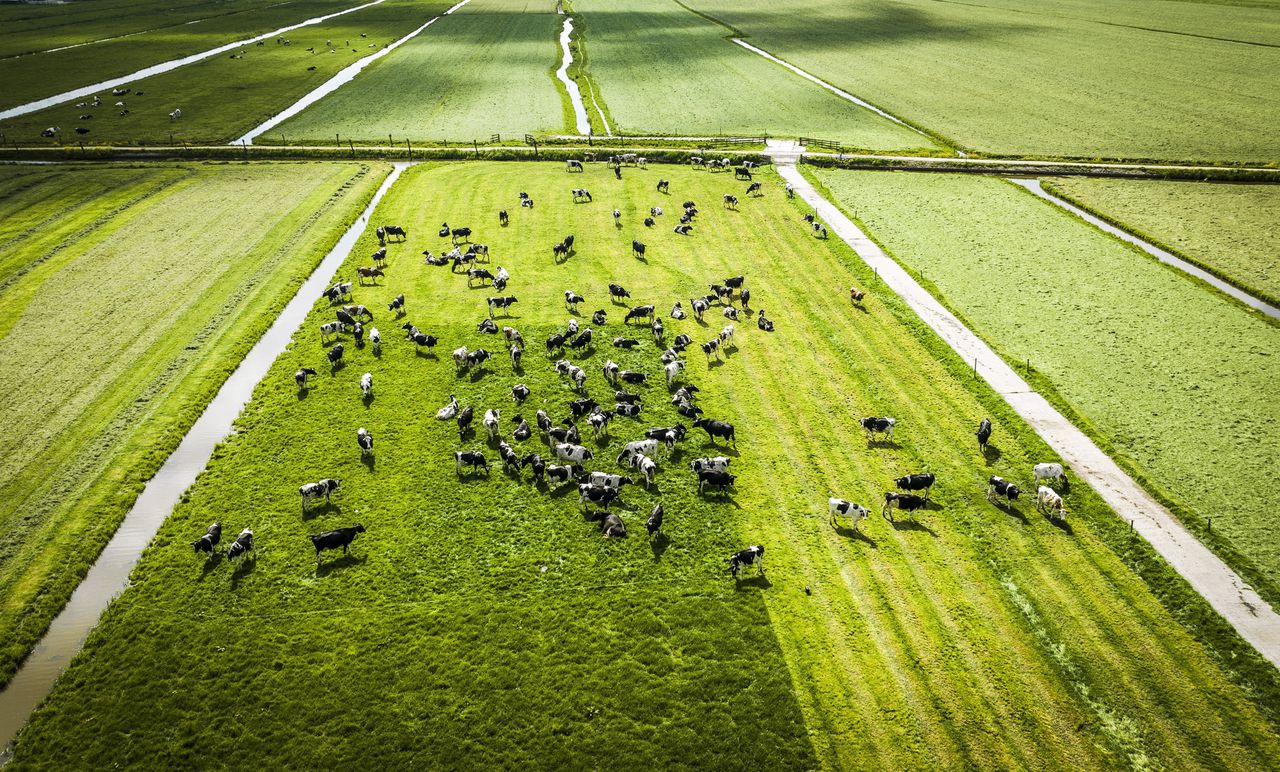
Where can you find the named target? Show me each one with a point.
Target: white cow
(855, 512)
(647, 466)
(491, 422)
(1049, 502)
(713, 464)
(637, 448)
(576, 454)
(366, 385)
(460, 357)
(672, 370)
(1050, 472)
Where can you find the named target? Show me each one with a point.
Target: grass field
(106, 374)
(663, 70)
(1178, 380)
(486, 623)
(1230, 230)
(222, 98)
(1083, 78)
(483, 70)
(28, 78)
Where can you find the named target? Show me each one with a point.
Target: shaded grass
(1168, 375)
(1009, 78)
(665, 70)
(1229, 230)
(485, 69)
(897, 644)
(208, 269)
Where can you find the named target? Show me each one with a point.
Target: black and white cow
(637, 248)
(575, 454)
(639, 312)
(627, 410)
(654, 523)
(712, 464)
(503, 303)
(916, 482)
(907, 502)
(841, 508)
(572, 299)
(664, 186)
(581, 194)
(753, 188)
(580, 407)
(365, 440)
(581, 340)
(683, 230)
(335, 355)
(711, 347)
(559, 475)
(460, 233)
(764, 323)
(590, 494)
(997, 486)
(470, 458)
(332, 540)
(555, 343)
(874, 426)
(491, 423)
(510, 461)
(677, 311)
(626, 343)
(478, 275)
(395, 230)
(573, 165)
(638, 447)
(730, 201)
(206, 543)
(700, 306)
(539, 467)
(612, 527)
(503, 217)
(464, 419)
(242, 546)
(301, 377)
(617, 293)
(519, 393)
(1049, 502)
(721, 480)
(984, 434)
(522, 431)
(630, 376)
(751, 556)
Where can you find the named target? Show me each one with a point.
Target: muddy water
(1165, 257)
(575, 95)
(173, 64)
(110, 573)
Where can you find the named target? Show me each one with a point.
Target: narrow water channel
(575, 94)
(109, 575)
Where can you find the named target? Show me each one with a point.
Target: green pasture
(1176, 380)
(1081, 78)
(222, 98)
(28, 78)
(130, 294)
(663, 70)
(485, 69)
(1229, 230)
(482, 622)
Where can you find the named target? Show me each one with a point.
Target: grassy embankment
(1005, 78)
(125, 311)
(665, 70)
(1228, 230)
(483, 70)
(1175, 380)
(222, 98)
(484, 622)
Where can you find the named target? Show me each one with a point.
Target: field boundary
(1224, 590)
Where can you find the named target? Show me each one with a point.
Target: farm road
(173, 64)
(1225, 591)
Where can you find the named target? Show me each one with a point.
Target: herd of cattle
(565, 464)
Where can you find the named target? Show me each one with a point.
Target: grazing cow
(649, 222)
(503, 218)
(338, 292)
(395, 230)
(664, 186)
(745, 297)
(751, 556)
(791, 191)
(617, 217)
(581, 194)
(647, 466)
(329, 329)
(711, 347)
(582, 340)
(559, 475)
(301, 377)
(638, 447)
(510, 461)
(516, 354)
(874, 426)
(381, 233)
(332, 540)
(539, 467)
(176, 114)
(555, 343)
(580, 407)
(626, 343)
(477, 357)
(335, 356)
(450, 410)
(315, 490)
(366, 385)
(599, 421)
(907, 502)
(839, 507)
(593, 495)
(455, 234)
(654, 523)
(490, 422)
(242, 546)
(984, 434)
(562, 435)
(754, 188)
(700, 306)
(672, 371)
(522, 431)
(503, 303)
(715, 464)
(478, 251)
(470, 458)
(478, 274)
(1049, 502)
(1050, 472)
(611, 370)
(763, 323)
(460, 358)
(527, 203)
(397, 305)
(617, 293)
(626, 409)
(572, 299)
(637, 248)
(51, 131)
(380, 256)
(573, 165)
(821, 231)
(684, 230)
(916, 482)
(422, 339)
(742, 172)
(465, 417)
(206, 543)
(856, 295)
(375, 338)
(997, 486)
(612, 527)
(345, 318)
(358, 334)
(606, 480)
(735, 282)
(567, 451)
(716, 429)
(357, 312)
(731, 201)
(629, 376)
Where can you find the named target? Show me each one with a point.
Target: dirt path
(172, 64)
(1225, 591)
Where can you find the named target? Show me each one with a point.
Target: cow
(490, 422)
(580, 407)
(856, 295)
(654, 523)
(335, 356)
(625, 409)
(516, 354)
(764, 323)
(573, 165)
(504, 303)
(1049, 502)
(647, 466)
(522, 431)
(874, 426)
(539, 467)
(637, 248)
(599, 421)
(555, 343)
(375, 339)
(460, 358)
(839, 507)
(649, 222)
(559, 475)
(677, 312)
(470, 458)
(700, 306)
(510, 461)
(681, 341)
(916, 482)
(626, 397)
(638, 447)
(726, 335)
(599, 317)
(300, 377)
(617, 217)
(332, 540)
(731, 313)
(477, 357)
(206, 543)
(457, 233)
(572, 299)
(984, 434)
(745, 297)
(688, 409)
(315, 490)
(465, 417)
(791, 191)
(526, 202)
(503, 218)
(450, 410)
(380, 256)
(611, 370)
(397, 305)
(639, 312)
(242, 546)
(683, 230)
(593, 495)
(721, 480)
(730, 201)
(751, 556)
(631, 376)
(625, 343)
(580, 195)
(754, 188)
(606, 480)
(658, 330)
(369, 273)
(1050, 472)
(664, 186)
(478, 275)
(357, 312)
(365, 440)
(566, 451)
(582, 340)
(997, 486)
(366, 385)
(617, 293)
(742, 172)
(907, 502)
(672, 371)
(715, 464)
(711, 347)
(395, 230)
(612, 527)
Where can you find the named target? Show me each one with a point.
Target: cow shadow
(642, 259)
(246, 566)
(991, 453)
(328, 507)
(367, 399)
(337, 366)
(857, 535)
(659, 546)
(892, 444)
(561, 490)
(913, 525)
(1012, 509)
(724, 450)
(211, 562)
(758, 582)
(1061, 525)
(719, 497)
(478, 374)
(471, 477)
(346, 561)
(428, 354)
(370, 462)
(860, 307)
(714, 363)
(303, 394)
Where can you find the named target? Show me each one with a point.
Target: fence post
(535, 150)
(390, 141)
(410, 146)
(353, 149)
(337, 140)
(476, 145)
(283, 141)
